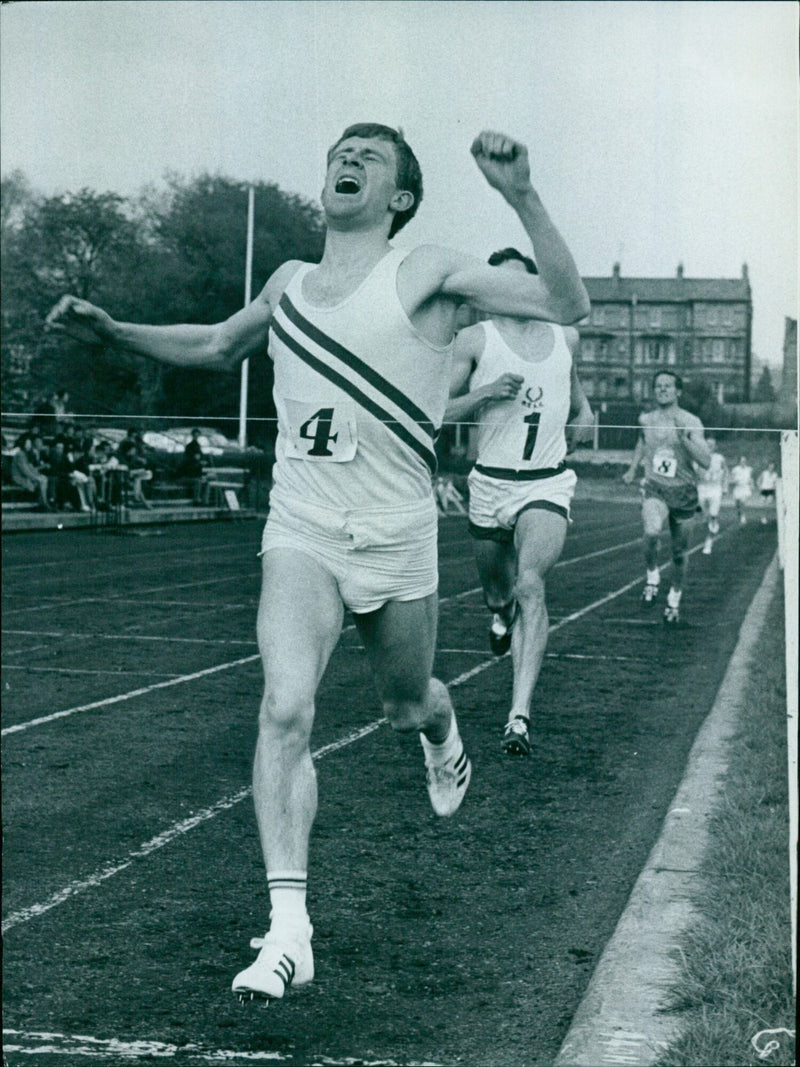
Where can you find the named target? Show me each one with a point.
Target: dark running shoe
(500, 632)
(516, 741)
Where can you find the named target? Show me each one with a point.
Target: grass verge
(735, 961)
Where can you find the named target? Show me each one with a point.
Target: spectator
(131, 453)
(69, 484)
(103, 463)
(192, 467)
(83, 456)
(27, 473)
(768, 484)
(54, 410)
(448, 498)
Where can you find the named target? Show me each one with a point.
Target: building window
(655, 316)
(602, 349)
(688, 316)
(727, 315)
(599, 316)
(638, 391)
(621, 386)
(658, 351)
(588, 387)
(711, 318)
(622, 348)
(718, 350)
(587, 351)
(687, 352)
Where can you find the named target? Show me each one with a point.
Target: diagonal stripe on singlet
(358, 365)
(389, 421)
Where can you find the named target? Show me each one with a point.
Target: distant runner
(712, 483)
(741, 486)
(670, 443)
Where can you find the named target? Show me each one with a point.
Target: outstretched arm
(557, 293)
(218, 347)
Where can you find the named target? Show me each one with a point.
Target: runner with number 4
(361, 344)
(670, 443)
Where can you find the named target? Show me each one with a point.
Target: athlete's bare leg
(678, 529)
(497, 570)
(400, 639)
(654, 512)
(299, 621)
(539, 540)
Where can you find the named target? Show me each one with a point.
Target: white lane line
(68, 601)
(182, 827)
(65, 634)
(19, 727)
(165, 837)
(180, 680)
(37, 1043)
(85, 670)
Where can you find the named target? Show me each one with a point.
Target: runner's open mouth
(348, 184)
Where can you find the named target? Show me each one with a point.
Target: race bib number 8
(321, 433)
(665, 463)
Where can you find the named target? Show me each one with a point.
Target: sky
(659, 132)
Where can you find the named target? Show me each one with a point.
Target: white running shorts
(710, 497)
(495, 503)
(375, 555)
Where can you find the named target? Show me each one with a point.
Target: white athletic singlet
(714, 474)
(360, 395)
(742, 477)
(527, 433)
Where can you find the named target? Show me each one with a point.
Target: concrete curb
(619, 1020)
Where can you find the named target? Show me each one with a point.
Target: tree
(764, 392)
(171, 255)
(200, 228)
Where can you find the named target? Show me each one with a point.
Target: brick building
(699, 327)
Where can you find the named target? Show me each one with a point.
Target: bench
(221, 486)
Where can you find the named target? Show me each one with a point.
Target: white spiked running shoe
(285, 959)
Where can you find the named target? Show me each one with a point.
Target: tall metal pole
(248, 278)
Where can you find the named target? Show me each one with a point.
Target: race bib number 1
(665, 463)
(321, 432)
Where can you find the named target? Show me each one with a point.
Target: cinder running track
(132, 875)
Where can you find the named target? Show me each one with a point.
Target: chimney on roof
(616, 275)
(680, 270)
(745, 273)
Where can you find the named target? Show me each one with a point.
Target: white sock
(287, 897)
(653, 577)
(437, 755)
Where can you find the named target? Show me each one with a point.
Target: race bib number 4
(665, 463)
(321, 433)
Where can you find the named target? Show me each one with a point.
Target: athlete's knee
(529, 588)
(286, 711)
(411, 709)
